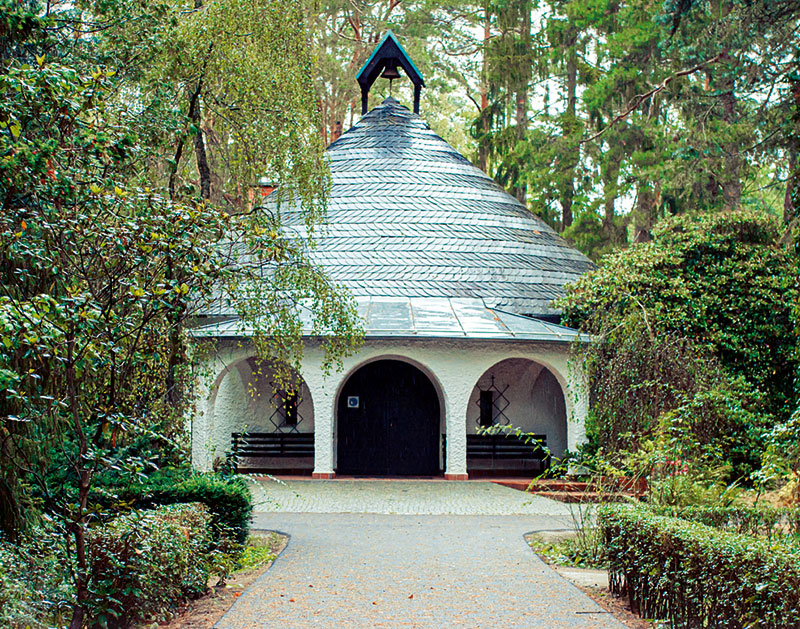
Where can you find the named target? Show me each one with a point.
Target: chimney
(337, 130)
(266, 186)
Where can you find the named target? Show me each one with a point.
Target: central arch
(388, 421)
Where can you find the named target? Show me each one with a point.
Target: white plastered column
(323, 393)
(207, 442)
(201, 428)
(577, 399)
(458, 372)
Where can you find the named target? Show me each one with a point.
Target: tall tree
(123, 194)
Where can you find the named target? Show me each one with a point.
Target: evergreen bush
(144, 562)
(694, 341)
(694, 575)
(227, 498)
(764, 521)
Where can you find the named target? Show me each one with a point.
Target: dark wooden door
(394, 429)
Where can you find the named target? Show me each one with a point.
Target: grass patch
(260, 550)
(579, 550)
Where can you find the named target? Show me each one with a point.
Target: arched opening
(519, 394)
(266, 417)
(388, 421)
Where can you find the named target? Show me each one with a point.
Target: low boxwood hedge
(694, 575)
(227, 498)
(144, 563)
(764, 521)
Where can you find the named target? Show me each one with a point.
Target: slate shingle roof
(408, 216)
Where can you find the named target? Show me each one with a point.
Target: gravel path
(372, 570)
(431, 569)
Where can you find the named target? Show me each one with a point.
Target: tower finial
(386, 57)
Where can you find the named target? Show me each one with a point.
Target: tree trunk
(173, 175)
(78, 523)
(722, 79)
(644, 213)
(792, 193)
(483, 145)
(732, 182)
(610, 177)
(572, 156)
(521, 117)
(203, 170)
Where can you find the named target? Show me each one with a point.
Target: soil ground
(618, 606)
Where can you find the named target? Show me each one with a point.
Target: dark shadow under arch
(392, 428)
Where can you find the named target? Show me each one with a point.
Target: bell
(390, 72)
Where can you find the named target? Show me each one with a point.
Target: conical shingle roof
(408, 216)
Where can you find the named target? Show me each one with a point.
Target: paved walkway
(408, 497)
(431, 569)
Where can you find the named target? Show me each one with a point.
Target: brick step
(542, 485)
(574, 497)
(574, 491)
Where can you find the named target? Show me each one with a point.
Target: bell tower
(387, 57)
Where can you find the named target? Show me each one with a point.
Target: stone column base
(456, 477)
(325, 475)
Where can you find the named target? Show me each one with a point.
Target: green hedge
(227, 498)
(762, 521)
(697, 576)
(145, 562)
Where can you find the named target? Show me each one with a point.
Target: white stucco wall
(535, 401)
(454, 367)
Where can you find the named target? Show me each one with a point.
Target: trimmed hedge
(145, 562)
(762, 521)
(696, 576)
(227, 498)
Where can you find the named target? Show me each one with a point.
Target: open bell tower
(384, 62)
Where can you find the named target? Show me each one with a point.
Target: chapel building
(454, 279)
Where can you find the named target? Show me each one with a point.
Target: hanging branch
(640, 98)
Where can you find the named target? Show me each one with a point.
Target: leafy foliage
(692, 574)
(694, 338)
(781, 457)
(35, 586)
(146, 562)
(227, 500)
(643, 111)
(112, 236)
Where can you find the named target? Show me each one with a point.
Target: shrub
(35, 586)
(697, 576)
(227, 498)
(144, 562)
(693, 337)
(766, 522)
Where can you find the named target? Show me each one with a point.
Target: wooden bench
(501, 449)
(272, 445)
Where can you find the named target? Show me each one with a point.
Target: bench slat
(501, 446)
(272, 444)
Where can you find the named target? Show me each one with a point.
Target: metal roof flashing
(426, 318)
